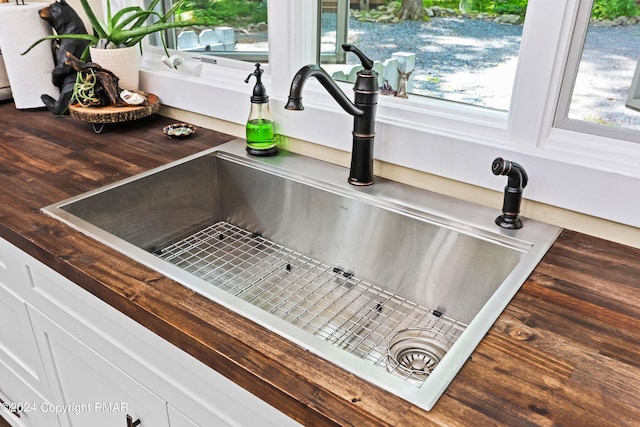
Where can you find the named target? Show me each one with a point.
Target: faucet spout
(363, 110)
(312, 70)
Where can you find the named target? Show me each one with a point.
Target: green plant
(84, 90)
(448, 4)
(126, 28)
(602, 9)
(515, 7)
(498, 7)
(228, 12)
(610, 9)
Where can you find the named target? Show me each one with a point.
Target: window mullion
(573, 62)
(545, 42)
(293, 40)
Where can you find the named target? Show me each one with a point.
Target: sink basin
(395, 284)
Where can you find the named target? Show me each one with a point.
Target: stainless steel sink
(403, 281)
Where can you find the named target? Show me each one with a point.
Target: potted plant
(120, 34)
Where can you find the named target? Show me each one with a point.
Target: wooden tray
(111, 114)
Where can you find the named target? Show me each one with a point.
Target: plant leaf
(98, 26)
(173, 9)
(140, 17)
(120, 14)
(128, 26)
(126, 34)
(89, 37)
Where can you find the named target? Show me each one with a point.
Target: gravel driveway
(474, 61)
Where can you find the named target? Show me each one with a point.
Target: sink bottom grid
(385, 329)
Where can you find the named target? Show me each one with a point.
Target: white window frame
(562, 121)
(587, 173)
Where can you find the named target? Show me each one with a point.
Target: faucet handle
(367, 63)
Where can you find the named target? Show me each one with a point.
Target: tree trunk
(411, 10)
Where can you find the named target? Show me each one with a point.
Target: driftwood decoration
(95, 86)
(98, 99)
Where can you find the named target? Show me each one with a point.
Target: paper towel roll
(30, 74)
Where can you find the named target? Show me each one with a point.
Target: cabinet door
(205, 396)
(89, 390)
(178, 419)
(21, 405)
(13, 272)
(18, 349)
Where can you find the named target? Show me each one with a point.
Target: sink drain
(415, 352)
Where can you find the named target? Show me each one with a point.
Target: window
(601, 71)
(467, 56)
(236, 28)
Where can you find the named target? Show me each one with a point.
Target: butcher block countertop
(565, 352)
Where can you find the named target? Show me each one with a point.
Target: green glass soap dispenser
(261, 135)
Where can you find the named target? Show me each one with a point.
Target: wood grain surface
(565, 352)
(115, 114)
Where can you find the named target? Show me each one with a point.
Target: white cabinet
(23, 383)
(21, 405)
(18, 349)
(100, 365)
(177, 419)
(90, 390)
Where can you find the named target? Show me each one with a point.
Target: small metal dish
(179, 130)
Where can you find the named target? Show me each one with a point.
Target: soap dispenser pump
(261, 135)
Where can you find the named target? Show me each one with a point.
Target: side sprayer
(512, 192)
